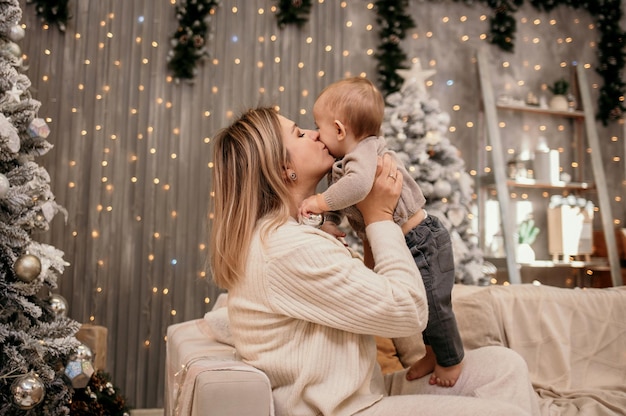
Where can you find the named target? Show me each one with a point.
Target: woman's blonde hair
(357, 103)
(249, 183)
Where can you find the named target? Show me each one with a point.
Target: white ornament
(16, 33)
(456, 216)
(442, 188)
(415, 76)
(79, 372)
(15, 50)
(432, 138)
(48, 210)
(15, 93)
(9, 133)
(38, 128)
(4, 185)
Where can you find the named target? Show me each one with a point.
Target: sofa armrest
(204, 375)
(231, 393)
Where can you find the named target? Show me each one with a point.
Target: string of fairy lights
(365, 22)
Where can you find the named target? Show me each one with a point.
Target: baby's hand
(309, 206)
(332, 229)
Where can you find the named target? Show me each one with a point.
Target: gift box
(95, 337)
(570, 231)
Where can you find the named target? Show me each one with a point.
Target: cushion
(386, 355)
(217, 321)
(475, 318)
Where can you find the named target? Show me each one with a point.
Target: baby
(349, 114)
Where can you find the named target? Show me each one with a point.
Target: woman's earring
(293, 176)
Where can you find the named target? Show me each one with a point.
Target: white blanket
(574, 341)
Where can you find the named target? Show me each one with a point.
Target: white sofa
(574, 341)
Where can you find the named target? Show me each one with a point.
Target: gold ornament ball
(27, 267)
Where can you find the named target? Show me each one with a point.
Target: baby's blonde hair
(357, 103)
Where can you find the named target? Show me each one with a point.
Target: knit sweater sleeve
(358, 173)
(327, 286)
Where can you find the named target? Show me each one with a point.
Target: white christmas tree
(415, 127)
(37, 339)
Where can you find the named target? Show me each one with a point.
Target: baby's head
(348, 111)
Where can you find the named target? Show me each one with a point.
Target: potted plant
(559, 90)
(526, 236)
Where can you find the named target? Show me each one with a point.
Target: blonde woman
(304, 309)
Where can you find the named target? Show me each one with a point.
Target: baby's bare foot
(423, 366)
(446, 376)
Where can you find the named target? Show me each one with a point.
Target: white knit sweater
(306, 312)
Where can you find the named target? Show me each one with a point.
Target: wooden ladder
(500, 174)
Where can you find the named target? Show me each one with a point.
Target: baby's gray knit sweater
(351, 179)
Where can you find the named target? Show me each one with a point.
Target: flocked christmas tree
(415, 127)
(44, 369)
(37, 339)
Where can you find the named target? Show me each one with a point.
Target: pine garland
(393, 22)
(189, 39)
(53, 12)
(294, 12)
(611, 55)
(502, 25)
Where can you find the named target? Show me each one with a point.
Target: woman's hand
(380, 203)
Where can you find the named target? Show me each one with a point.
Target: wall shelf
(538, 110)
(596, 264)
(500, 185)
(489, 181)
